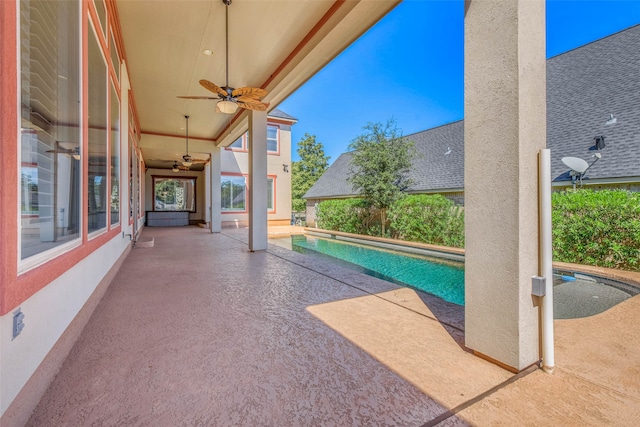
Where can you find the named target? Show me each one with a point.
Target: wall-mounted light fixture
(285, 167)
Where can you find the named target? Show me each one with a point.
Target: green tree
(379, 165)
(306, 171)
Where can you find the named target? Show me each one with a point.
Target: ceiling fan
(230, 98)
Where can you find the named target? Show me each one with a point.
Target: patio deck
(197, 331)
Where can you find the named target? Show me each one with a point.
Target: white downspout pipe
(546, 259)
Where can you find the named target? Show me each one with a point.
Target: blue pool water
(441, 277)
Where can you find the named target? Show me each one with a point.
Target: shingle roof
(439, 164)
(281, 115)
(584, 86)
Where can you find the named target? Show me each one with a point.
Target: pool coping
(630, 277)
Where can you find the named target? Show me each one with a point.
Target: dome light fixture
(227, 107)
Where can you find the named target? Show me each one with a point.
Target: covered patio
(218, 327)
(275, 337)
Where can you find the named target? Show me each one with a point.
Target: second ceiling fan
(230, 98)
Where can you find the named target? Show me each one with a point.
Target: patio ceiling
(274, 44)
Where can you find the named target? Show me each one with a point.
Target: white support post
(214, 192)
(257, 180)
(546, 260)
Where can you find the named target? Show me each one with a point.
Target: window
(272, 139)
(97, 182)
(174, 194)
(270, 194)
(240, 144)
(102, 14)
(233, 191)
(115, 157)
(50, 134)
(115, 58)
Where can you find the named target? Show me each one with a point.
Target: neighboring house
(234, 177)
(585, 87)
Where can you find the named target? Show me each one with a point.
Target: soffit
(275, 44)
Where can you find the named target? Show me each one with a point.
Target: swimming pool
(575, 295)
(438, 276)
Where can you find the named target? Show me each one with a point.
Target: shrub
(428, 219)
(347, 215)
(599, 228)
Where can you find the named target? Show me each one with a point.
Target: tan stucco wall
(504, 128)
(237, 162)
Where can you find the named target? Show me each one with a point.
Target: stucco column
(257, 180)
(214, 192)
(504, 128)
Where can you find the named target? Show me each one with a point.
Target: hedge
(428, 219)
(419, 218)
(347, 215)
(599, 228)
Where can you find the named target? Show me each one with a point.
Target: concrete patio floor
(197, 331)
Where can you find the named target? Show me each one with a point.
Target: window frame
(182, 178)
(244, 144)
(41, 258)
(273, 178)
(117, 145)
(277, 151)
(246, 193)
(92, 27)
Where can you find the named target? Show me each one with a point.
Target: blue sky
(410, 67)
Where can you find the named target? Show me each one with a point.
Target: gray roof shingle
(584, 86)
(281, 115)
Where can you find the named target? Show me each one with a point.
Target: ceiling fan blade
(253, 92)
(213, 88)
(252, 104)
(197, 97)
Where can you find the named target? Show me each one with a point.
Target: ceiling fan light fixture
(186, 160)
(227, 107)
(175, 167)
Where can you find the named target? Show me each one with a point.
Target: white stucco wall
(47, 314)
